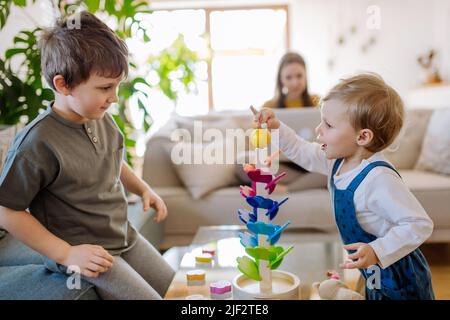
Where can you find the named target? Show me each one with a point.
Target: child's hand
(365, 256)
(266, 115)
(91, 259)
(270, 158)
(151, 199)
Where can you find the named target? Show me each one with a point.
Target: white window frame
(208, 12)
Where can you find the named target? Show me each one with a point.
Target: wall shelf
(430, 96)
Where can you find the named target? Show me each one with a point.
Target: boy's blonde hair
(372, 104)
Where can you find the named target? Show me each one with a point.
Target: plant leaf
(12, 52)
(92, 5)
(4, 12)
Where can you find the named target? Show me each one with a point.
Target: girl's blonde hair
(372, 104)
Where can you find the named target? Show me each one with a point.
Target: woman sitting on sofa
(292, 87)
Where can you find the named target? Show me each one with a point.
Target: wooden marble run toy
(260, 278)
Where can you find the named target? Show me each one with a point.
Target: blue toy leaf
(260, 202)
(248, 240)
(261, 228)
(276, 235)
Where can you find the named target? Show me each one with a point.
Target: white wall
(407, 30)
(38, 14)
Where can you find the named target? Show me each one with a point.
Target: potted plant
(23, 96)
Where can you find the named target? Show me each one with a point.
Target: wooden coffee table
(313, 255)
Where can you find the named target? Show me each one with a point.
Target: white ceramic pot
(285, 286)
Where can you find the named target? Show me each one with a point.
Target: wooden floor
(438, 257)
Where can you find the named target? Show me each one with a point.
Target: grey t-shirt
(67, 175)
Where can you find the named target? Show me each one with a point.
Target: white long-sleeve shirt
(384, 206)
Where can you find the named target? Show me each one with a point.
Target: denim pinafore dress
(410, 277)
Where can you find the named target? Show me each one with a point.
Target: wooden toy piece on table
(220, 290)
(196, 277)
(204, 260)
(209, 250)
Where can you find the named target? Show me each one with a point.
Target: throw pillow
(209, 175)
(435, 154)
(405, 150)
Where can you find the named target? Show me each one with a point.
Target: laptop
(303, 120)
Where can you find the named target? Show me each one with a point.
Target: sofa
(309, 205)
(23, 275)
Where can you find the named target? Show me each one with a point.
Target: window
(243, 45)
(246, 45)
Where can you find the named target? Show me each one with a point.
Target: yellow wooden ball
(260, 138)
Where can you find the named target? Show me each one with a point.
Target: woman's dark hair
(288, 58)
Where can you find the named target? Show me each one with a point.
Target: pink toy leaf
(259, 176)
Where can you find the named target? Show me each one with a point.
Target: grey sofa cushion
(143, 221)
(35, 282)
(433, 191)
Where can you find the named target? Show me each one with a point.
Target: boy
(379, 219)
(66, 167)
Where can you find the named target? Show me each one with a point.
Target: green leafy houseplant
(23, 96)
